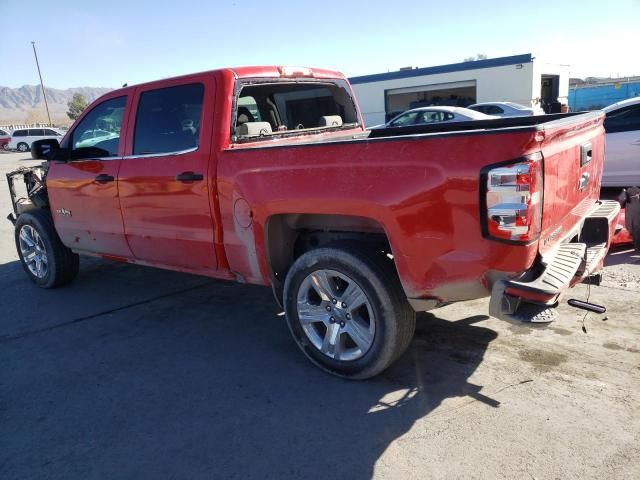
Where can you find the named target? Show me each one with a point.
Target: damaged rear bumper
(574, 262)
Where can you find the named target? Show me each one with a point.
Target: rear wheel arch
(288, 236)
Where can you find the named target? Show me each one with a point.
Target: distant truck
(266, 175)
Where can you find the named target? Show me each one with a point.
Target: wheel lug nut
(334, 301)
(348, 316)
(332, 320)
(328, 308)
(344, 305)
(342, 324)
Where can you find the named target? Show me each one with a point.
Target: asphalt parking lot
(132, 372)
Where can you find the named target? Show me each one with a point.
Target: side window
(403, 120)
(623, 120)
(48, 131)
(494, 110)
(168, 119)
(98, 134)
(2, 132)
(36, 132)
(448, 116)
(20, 133)
(431, 117)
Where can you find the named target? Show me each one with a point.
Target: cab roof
(272, 71)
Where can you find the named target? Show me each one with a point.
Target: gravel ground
(132, 372)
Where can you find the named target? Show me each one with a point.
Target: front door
(164, 184)
(82, 185)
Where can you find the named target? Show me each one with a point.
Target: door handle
(189, 177)
(104, 178)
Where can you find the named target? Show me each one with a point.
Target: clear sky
(108, 43)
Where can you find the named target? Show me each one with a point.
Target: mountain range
(26, 104)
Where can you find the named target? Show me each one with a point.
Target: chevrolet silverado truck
(267, 175)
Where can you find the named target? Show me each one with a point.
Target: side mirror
(44, 149)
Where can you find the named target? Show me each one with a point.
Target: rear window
(493, 110)
(288, 108)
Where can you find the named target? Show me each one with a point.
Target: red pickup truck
(267, 175)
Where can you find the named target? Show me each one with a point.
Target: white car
(22, 138)
(505, 109)
(622, 151)
(430, 115)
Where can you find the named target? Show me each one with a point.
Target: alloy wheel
(33, 251)
(336, 315)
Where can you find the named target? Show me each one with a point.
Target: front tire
(347, 311)
(47, 262)
(23, 147)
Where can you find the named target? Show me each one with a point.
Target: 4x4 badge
(63, 211)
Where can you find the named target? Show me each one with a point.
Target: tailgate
(573, 152)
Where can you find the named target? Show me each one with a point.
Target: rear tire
(47, 262)
(356, 341)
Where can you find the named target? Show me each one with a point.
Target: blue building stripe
(453, 67)
(594, 97)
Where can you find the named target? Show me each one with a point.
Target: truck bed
(422, 186)
(530, 122)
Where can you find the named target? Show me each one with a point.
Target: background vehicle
(5, 137)
(22, 138)
(622, 160)
(505, 109)
(276, 183)
(429, 115)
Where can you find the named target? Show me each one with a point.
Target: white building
(519, 78)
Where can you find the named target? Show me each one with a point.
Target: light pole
(44, 94)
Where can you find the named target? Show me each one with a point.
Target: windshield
(286, 108)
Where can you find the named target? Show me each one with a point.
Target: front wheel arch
(62, 263)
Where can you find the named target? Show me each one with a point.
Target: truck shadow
(206, 382)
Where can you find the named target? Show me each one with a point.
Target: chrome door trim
(163, 154)
(91, 159)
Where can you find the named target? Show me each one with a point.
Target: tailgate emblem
(553, 235)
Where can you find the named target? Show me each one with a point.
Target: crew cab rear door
(82, 185)
(164, 182)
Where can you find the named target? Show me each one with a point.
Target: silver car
(622, 154)
(431, 115)
(505, 109)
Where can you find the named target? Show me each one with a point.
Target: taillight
(513, 200)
